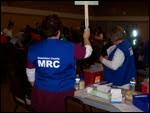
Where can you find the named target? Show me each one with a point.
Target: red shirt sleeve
(79, 52)
(29, 65)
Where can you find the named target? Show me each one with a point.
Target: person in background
(8, 31)
(146, 59)
(20, 38)
(146, 55)
(107, 44)
(3, 56)
(28, 28)
(37, 28)
(120, 63)
(97, 43)
(65, 34)
(129, 30)
(76, 35)
(98, 37)
(51, 67)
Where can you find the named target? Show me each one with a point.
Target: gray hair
(117, 33)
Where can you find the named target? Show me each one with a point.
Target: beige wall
(143, 28)
(23, 17)
(21, 20)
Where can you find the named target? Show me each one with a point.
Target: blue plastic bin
(141, 102)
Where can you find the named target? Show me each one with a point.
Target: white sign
(89, 2)
(86, 3)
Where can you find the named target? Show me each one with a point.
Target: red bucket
(145, 89)
(145, 86)
(92, 77)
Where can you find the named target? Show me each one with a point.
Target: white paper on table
(127, 107)
(116, 91)
(116, 97)
(81, 93)
(103, 88)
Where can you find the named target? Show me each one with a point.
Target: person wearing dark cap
(51, 66)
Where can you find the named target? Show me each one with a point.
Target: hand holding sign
(86, 3)
(86, 34)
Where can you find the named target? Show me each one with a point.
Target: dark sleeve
(79, 52)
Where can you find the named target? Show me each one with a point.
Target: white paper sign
(89, 2)
(86, 3)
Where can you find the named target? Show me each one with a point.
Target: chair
(75, 105)
(18, 81)
(17, 89)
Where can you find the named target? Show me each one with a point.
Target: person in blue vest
(51, 66)
(120, 63)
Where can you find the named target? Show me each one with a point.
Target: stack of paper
(103, 88)
(81, 93)
(101, 94)
(116, 96)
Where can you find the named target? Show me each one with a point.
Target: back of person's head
(10, 23)
(117, 33)
(29, 29)
(51, 25)
(129, 27)
(99, 29)
(65, 30)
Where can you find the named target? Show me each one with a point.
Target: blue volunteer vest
(123, 74)
(55, 65)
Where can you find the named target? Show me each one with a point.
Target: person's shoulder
(112, 47)
(126, 44)
(125, 47)
(35, 45)
(66, 42)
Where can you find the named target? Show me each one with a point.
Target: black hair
(10, 23)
